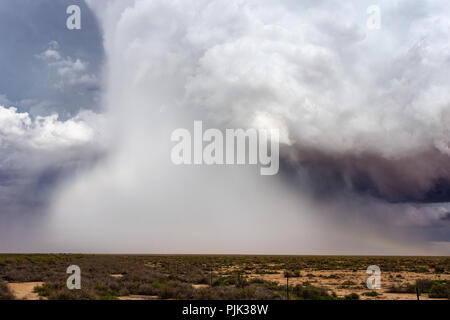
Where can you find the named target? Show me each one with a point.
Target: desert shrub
(65, 294)
(291, 274)
(435, 288)
(237, 280)
(147, 289)
(224, 281)
(206, 294)
(272, 285)
(439, 269)
(124, 292)
(5, 293)
(244, 293)
(352, 296)
(241, 282)
(175, 290)
(408, 288)
(310, 292)
(46, 289)
(196, 277)
(257, 280)
(251, 292)
(440, 290)
(263, 271)
(371, 294)
(424, 285)
(58, 291)
(262, 292)
(104, 292)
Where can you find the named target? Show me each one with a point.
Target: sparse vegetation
(348, 283)
(231, 277)
(435, 288)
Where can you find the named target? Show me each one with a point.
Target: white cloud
(70, 71)
(20, 131)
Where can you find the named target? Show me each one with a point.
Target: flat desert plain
(223, 277)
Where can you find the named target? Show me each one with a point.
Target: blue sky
(27, 27)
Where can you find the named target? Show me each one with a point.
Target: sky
(86, 118)
(33, 81)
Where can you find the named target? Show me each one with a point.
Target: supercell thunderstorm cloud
(363, 116)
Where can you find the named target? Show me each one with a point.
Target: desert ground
(200, 277)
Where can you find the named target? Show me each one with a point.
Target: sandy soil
(24, 290)
(138, 297)
(199, 286)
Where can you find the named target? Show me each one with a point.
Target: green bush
(59, 291)
(409, 288)
(352, 296)
(439, 269)
(5, 293)
(310, 293)
(440, 290)
(223, 281)
(371, 294)
(147, 289)
(291, 274)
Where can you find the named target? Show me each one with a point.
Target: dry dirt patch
(138, 297)
(24, 290)
(199, 286)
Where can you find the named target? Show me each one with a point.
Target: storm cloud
(363, 116)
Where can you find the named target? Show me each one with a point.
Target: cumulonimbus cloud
(363, 117)
(362, 110)
(373, 106)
